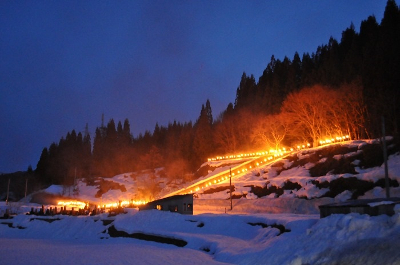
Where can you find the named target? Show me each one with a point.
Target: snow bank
(211, 239)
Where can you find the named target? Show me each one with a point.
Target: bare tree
(233, 133)
(271, 130)
(152, 159)
(319, 112)
(309, 112)
(177, 169)
(225, 136)
(149, 188)
(351, 98)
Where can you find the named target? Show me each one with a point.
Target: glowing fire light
(281, 151)
(333, 140)
(78, 204)
(274, 154)
(82, 205)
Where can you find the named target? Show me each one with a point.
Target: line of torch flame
(274, 154)
(82, 205)
(272, 151)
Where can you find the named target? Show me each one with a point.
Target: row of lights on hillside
(298, 147)
(262, 153)
(276, 154)
(255, 154)
(333, 140)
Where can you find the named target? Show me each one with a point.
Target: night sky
(65, 63)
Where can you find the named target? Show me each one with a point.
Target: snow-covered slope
(275, 218)
(299, 182)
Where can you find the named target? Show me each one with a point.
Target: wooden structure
(371, 207)
(179, 203)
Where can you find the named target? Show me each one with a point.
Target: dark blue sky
(64, 63)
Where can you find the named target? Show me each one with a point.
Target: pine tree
(209, 112)
(42, 167)
(119, 128)
(87, 155)
(246, 91)
(203, 141)
(127, 131)
(98, 152)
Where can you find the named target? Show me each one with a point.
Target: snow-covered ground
(274, 229)
(211, 239)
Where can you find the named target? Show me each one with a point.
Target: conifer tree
(127, 131)
(41, 170)
(246, 91)
(203, 142)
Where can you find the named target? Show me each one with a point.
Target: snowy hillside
(334, 173)
(274, 220)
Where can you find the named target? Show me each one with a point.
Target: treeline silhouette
(345, 87)
(179, 147)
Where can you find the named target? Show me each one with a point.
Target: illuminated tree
(271, 130)
(184, 144)
(308, 111)
(225, 135)
(152, 159)
(177, 169)
(233, 133)
(149, 188)
(349, 112)
(319, 112)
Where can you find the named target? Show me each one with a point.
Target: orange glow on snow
(78, 204)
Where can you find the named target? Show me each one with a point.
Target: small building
(372, 207)
(178, 203)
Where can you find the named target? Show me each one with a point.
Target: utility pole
(8, 190)
(26, 188)
(230, 185)
(385, 158)
(76, 188)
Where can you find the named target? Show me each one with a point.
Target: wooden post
(8, 190)
(385, 158)
(230, 185)
(26, 188)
